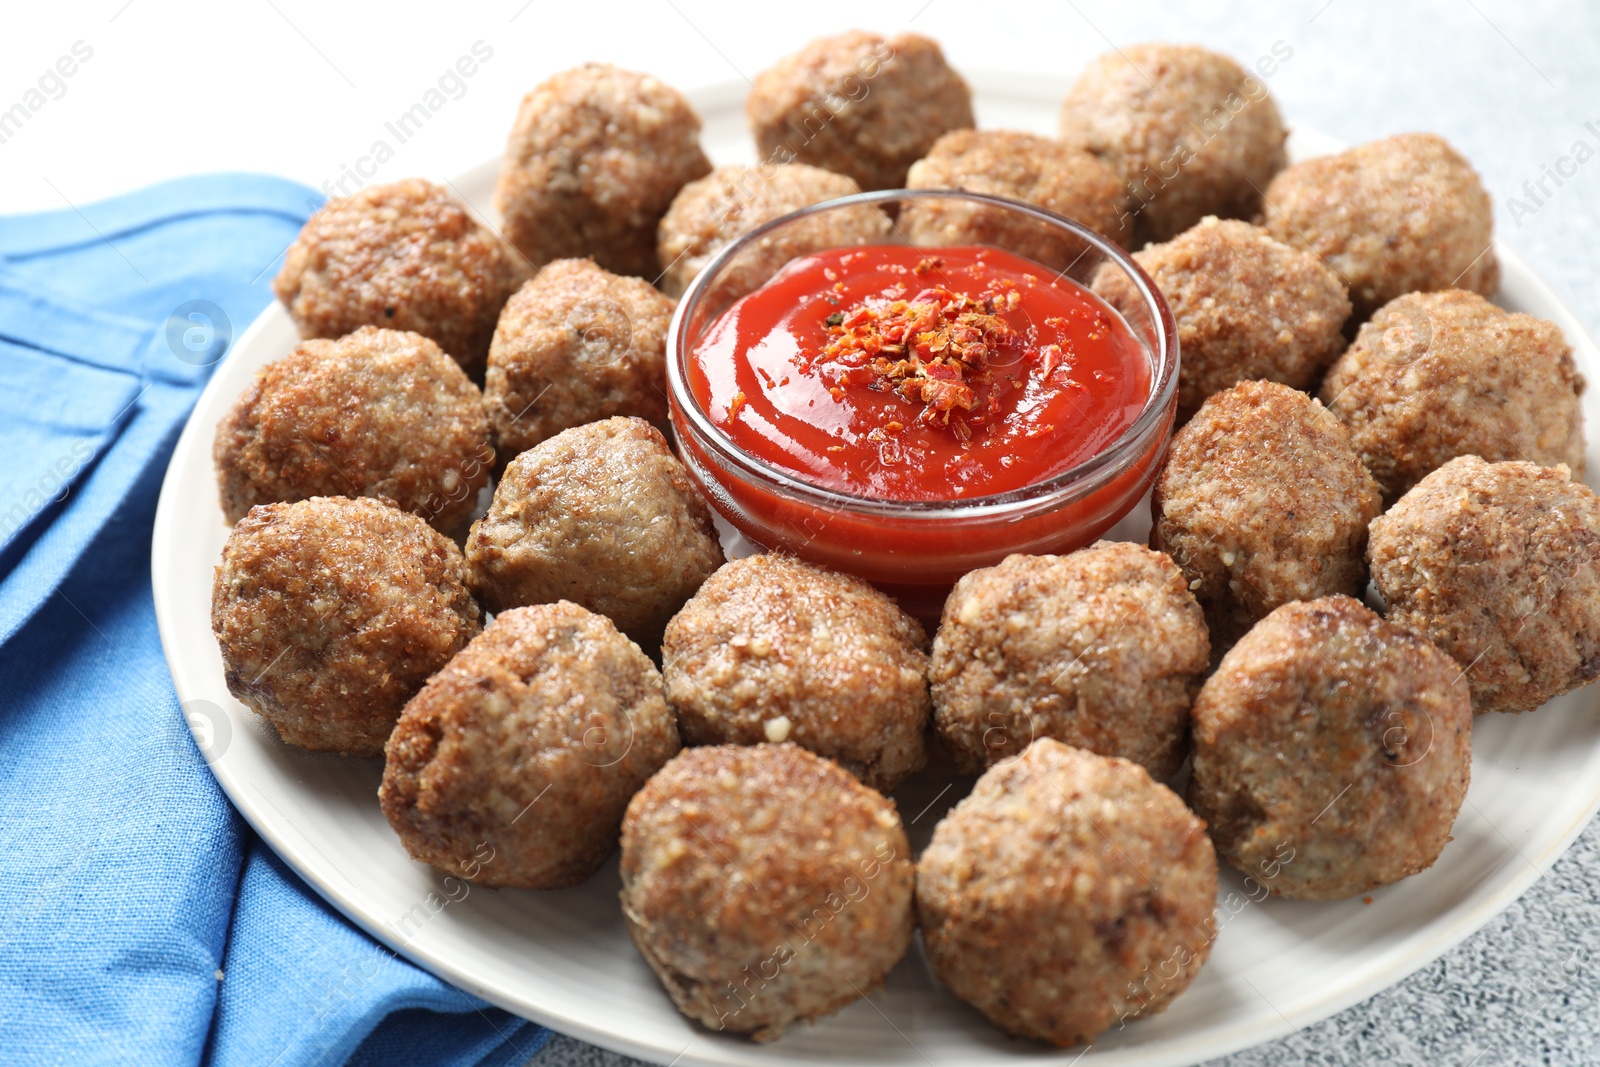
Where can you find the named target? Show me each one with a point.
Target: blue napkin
(140, 920)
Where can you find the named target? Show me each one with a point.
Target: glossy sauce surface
(906, 373)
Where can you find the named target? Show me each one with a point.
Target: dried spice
(936, 349)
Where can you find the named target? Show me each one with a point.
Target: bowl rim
(1077, 481)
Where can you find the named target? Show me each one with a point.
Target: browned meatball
(514, 764)
(1439, 375)
(764, 886)
(773, 649)
(1499, 565)
(596, 155)
(1400, 215)
(1188, 129)
(1018, 166)
(1248, 307)
(405, 256)
(1068, 893)
(1332, 750)
(731, 201)
(377, 413)
(858, 104)
(331, 612)
(1263, 500)
(602, 515)
(1103, 649)
(575, 344)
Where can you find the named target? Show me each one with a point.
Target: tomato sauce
(916, 374)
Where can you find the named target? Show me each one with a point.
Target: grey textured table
(1511, 85)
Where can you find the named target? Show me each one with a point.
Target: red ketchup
(918, 375)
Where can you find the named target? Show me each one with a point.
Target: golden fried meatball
(1248, 307)
(1499, 565)
(709, 214)
(603, 515)
(1017, 166)
(596, 155)
(1332, 750)
(331, 612)
(376, 413)
(1401, 215)
(764, 886)
(1437, 375)
(405, 256)
(514, 764)
(1103, 649)
(1263, 500)
(1053, 896)
(858, 104)
(575, 344)
(773, 649)
(1188, 129)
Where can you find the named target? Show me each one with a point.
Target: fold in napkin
(140, 920)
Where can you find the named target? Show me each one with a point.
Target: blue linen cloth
(140, 920)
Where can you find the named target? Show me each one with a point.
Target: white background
(302, 88)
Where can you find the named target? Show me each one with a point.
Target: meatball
(1103, 649)
(576, 344)
(405, 256)
(1400, 215)
(377, 413)
(549, 713)
(858, 104)
(764, 886)
(773, 649)
(1499, 565)
(331, 612)
(1263, 500)
(1247, 306)
(1018, 166)
(594, 158)
(1332, 750)
(710, 213)
(1068, 893)
(1437, 375)
(602, 515)
(1189, 130)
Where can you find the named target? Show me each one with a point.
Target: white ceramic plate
(564, 958)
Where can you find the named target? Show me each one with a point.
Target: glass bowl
(915, 550)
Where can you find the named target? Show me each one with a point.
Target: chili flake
(934, 349)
